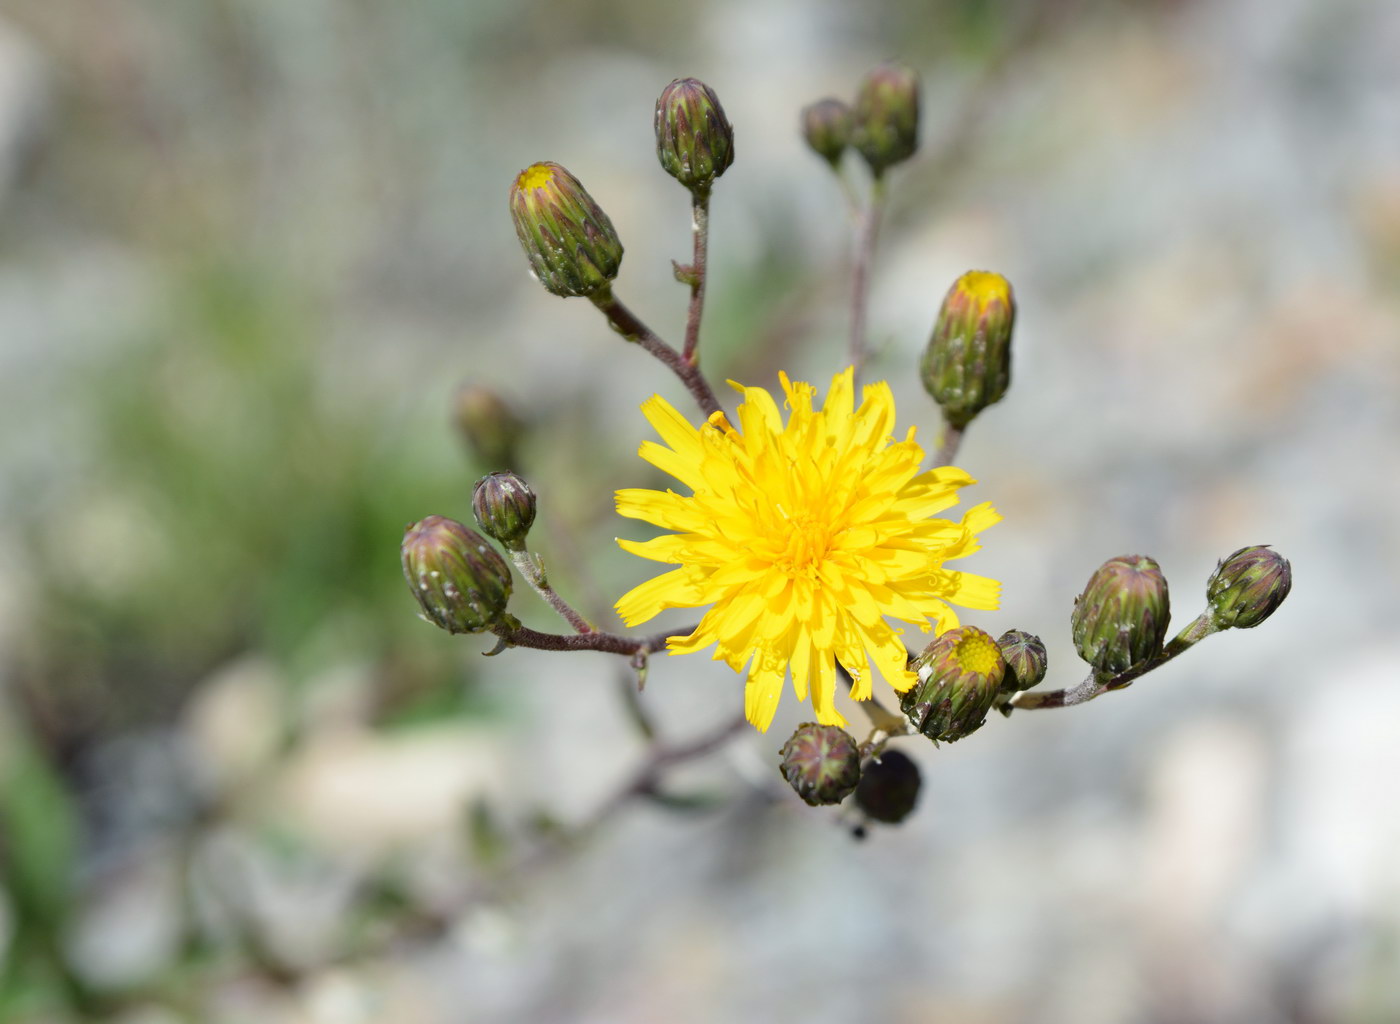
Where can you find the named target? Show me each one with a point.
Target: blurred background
(249, 252)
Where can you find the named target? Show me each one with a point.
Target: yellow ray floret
(804, 538)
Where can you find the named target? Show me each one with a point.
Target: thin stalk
(700, 229)
(867, 230)
(1200, 628)
(515, 635)
(625, 322)
(532, 568)
(948, 444)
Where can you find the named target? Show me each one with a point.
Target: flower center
(535, 176)
(984, 287)
(977, 652)
(808, 540)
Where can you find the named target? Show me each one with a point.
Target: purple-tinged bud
(888, 787)
(504, 507)
(572, 245)
(821, 763)
(826, 125)
(694, 140)
(459, 580)
(959, 675)
(1025, 658)
(489, 426)
(1248, 587)
(886, 130)
(967, 364)
(1120, 621)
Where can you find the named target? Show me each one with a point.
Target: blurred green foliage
(239, 502)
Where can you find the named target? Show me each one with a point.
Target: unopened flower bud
(886, 129)
(967, 364)
(959, 675)
(489, 426)
(826, 125)
(821, 763)
(505, 508)
(460, 581)
(572, 245)
(1248, 587)
(1120, 620)
(1025, 659)
(888, 787)
(694, 140)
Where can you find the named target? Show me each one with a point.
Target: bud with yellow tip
(959, 673)
(967, 364)
(570, 242)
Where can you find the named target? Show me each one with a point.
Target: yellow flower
(803, 536)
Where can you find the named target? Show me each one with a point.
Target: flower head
(803, 536)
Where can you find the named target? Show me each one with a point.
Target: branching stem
(1094, 686)
(532, 568)
(625, 322)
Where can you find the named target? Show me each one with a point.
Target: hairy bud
(821, 763)
(886, 130)
(1120, 621)
(826, 125)
(967, 364)
(572, 245)
(1025, 658)
(1248, 587)
(888, 787)
(504, 507)
(459, 580)
(694, 140)
(489, 426)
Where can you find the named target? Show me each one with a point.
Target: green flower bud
(886, 130)
(571, 243)
(1025, 659)
(821, 763)
(959, 675)
(1120, 620)
(505, 508)
(1248, 587)
(694, 140)
(826, 125)
(460, 581)
(888, 787)
(967, 364)
(487, 424)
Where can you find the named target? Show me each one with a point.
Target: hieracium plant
(808, 528)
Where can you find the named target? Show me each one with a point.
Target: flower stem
(516, 635)
(532, 568)
(1093, 686)
(700, 228)
(625, 322)
(867, 228)
(948, 444)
